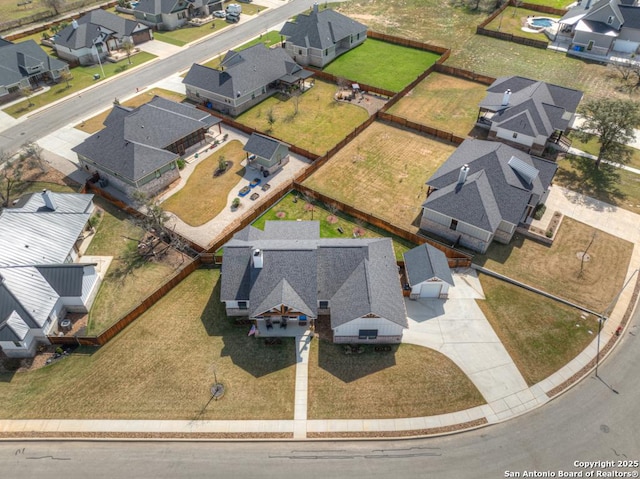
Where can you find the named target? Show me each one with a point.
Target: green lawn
(555, 269)
(442, 101)
(82, 78)
(592, 147)
(288, 209)
(202, 179)
(401, 65)
(162, 367)
(269, 38)
(552, 3)
(540, 335)
(321, 122)
(189, 33)
(513, 19)
(408, 381)
(121, 289)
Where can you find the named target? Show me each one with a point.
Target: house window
(454, 225)
(173, 166)
(299, 52)
(182, 15)
(610, 20)
(368, 334)
(158, 174)
(323, 305)
(515, 135)
(242, 305)
(17, 344)
(326, 52)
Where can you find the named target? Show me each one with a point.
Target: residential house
(602, 28)
(483, 191)
(94, 36)
(244, 79)
(321, 36)
(139, 147)
(427, 272)
(40, 282)
(266, 154)
(528, 114)
(285, 277)
(172, 14)
(26, 65)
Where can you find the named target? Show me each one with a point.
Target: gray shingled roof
(425, 262)
(631, 15)
(89, 29)
(320, 29)
(493, 190)
(14, 56)
(262, 146)
(132, 144)
(534, 107)
(358, 276)
(156, 7)
(245, 71)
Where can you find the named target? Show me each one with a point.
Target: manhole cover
(217, 390)
(604, 428)
(583, 256)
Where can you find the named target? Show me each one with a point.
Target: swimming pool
(540, 23)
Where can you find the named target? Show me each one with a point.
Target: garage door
(430, 290)
(625, 46)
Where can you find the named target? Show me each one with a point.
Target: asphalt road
(76, 107)
(595, 421)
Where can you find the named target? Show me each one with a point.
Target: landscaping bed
(383, 172)
(385, 384)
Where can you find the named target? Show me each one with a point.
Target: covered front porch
(282, 328)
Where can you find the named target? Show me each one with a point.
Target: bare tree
(66, 76)
(295, 95)
(128, 47)
(33, 153)
(26, 92)
(11, 170)
(271, 119)
(56, 5)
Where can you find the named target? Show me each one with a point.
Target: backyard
(555, 269)
(408, 381)
(96, 123)
(83, 77)
(293, 207)
(203, 179)
(512, 19)
(162, 367)
(319, 124)
(400, 67)
(383, 172)
(444, 102)
(541, 335)
(128, 280)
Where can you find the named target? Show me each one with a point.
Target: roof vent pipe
(257, 258)
(74, 24)
(505, 97)
(462, 177)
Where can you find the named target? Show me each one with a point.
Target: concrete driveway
(457, 328)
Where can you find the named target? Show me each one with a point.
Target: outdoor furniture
(244, 191)
(255, 182)
(254, 196)
(266, 186)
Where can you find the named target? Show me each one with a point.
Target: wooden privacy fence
(328, 77)
(456, 258)
(464, 74)
(435, 132)
(512, 38)
(132, 315)
(406, 42)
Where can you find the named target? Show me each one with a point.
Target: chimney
(586, 7)
(315, 7)
(257, 258)
(462, 177)
(74, 24)
(505, 98)
(48, 200)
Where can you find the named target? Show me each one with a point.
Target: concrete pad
(171, 83)
(61, 141)
(498, 382)
(159, 49)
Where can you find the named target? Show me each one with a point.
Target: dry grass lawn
(444, 102)
(555, 269)
(408, 381)
(383, 172)
(211, 191)
(95, 123)
(321, 122)
(162, 367)
(541, 335)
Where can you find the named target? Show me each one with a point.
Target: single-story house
(40, 282)
(427, 272)
(319, 37)
(287, 275)
(244, 79)
(602, 27)
(266, 154)
(528, 114)
(26, 65)
(172, 14)
(139, 147)
(483, 191)
(93, 36)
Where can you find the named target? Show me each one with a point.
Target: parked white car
(220, 14)
(234, 8)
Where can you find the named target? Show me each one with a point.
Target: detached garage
(428, 273)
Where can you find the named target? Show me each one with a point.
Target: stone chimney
(462, 177)
(505, 97)
(257, 258)
(48, 200)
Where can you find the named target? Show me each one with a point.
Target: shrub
(236, 202)
(549, 233)
(181, 163)
(540, 209)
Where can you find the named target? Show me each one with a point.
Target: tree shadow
(499, 252)
(583, 177)
(354, 366)
(249, 353)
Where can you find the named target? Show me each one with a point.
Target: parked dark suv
(233, 17)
